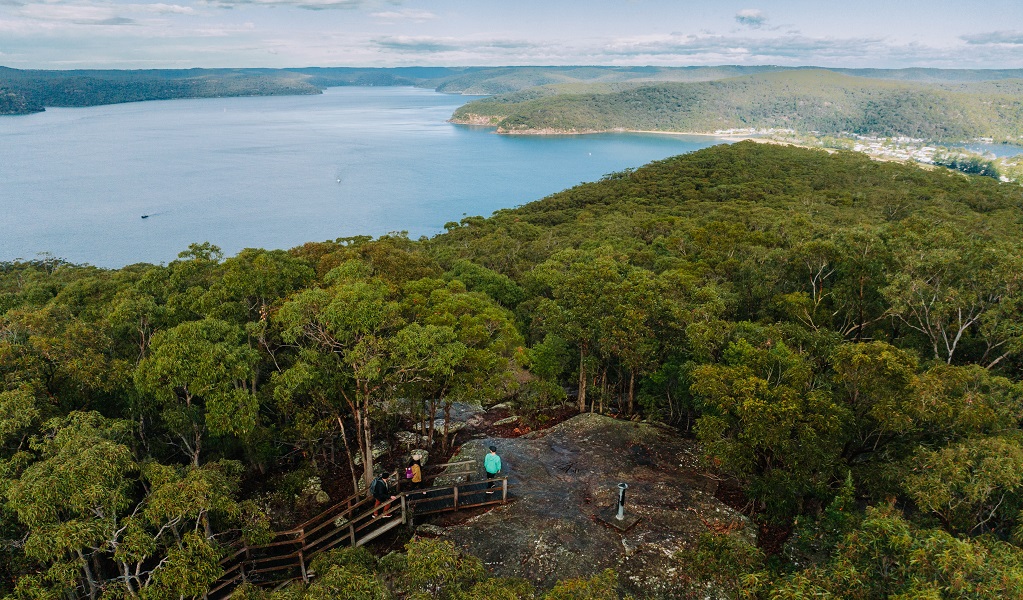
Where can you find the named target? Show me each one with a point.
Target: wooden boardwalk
(349, 523)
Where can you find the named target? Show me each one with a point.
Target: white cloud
(75, 13)
(751, 17)
(407, 14)
(165, 9)
(306, 4)
(98, 13)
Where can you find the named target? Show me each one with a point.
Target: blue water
(998, 150)
(274, 172)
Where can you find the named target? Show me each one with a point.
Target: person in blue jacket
(492, 465)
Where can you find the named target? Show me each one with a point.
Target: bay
(275, 172)
(997, 150)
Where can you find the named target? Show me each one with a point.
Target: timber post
(301, 555)
(504, 490)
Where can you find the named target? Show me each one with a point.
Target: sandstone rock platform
(564, 477)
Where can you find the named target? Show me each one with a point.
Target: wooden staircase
(349, 523)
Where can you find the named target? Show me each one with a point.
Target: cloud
(99, 13)
(306, 4)
(748, 50)
(407, 14)
(108, 21)
(80, 14)
(994, 37)
(417, 45)
(165, 9)
(435, 45)
(751, 17)
(678, 49)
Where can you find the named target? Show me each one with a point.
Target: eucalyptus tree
(348, 329)
(951, 286)
(887, 556)
(473, 341)
(374, 341)
(972, 485)
(576, 304)
(766, 421)
(196, 373)
(99, 520)
(878, 384)
(72, 359)
(72, 499)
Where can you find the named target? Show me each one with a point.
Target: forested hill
(805, 100)
(841, 336)
(735, 203)
(30, 90)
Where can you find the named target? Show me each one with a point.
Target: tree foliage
(837, 333)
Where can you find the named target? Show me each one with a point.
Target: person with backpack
(382, 495)
(492, 465)
(414, 472)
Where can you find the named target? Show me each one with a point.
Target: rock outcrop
(564, 482)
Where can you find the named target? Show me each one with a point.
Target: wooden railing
(348, 523)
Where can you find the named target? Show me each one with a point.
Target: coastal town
(900, 148)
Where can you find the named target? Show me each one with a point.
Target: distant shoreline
(552, 131)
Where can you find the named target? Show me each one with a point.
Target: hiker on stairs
(382, 495)
(492, 465)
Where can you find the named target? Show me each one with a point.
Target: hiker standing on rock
(492, 465)
(381, 494)
(414, 472)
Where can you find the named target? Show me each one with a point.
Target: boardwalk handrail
(349, 522)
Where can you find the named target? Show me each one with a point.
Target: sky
(122, 34)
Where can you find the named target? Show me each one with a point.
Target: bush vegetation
(842, 336)
(818, 101)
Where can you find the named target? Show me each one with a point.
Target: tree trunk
(632, 389)
(196, 445)
(348, 453)
(367, 457)
(88, 575)
(444, 435)
(126, 574)
(431, 421)
(360, 438)
(582, 380)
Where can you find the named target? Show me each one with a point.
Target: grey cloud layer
(680, 49)
(994, 37)
(306, 4)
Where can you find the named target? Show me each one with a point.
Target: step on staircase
(349, 523)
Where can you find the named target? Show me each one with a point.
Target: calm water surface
(274, 172)
(998, 150)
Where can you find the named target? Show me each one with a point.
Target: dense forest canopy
(24, 91)
(820, 101)
(842, 336)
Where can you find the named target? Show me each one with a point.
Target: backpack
(408, 472)
(378, 487)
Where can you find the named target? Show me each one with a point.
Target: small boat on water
(145, 216)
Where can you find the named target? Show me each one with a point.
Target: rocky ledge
(564, 483)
